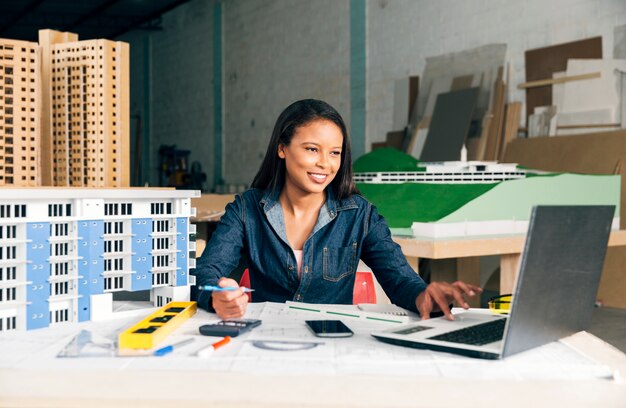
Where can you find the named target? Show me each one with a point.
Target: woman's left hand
(438, 295)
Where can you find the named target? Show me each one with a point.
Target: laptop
(554, 292)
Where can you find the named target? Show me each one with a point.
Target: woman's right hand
(229, 304)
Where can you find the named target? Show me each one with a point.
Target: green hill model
(448, 209)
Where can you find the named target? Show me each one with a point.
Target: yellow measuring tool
(153, 329)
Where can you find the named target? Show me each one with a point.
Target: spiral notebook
(389, 309)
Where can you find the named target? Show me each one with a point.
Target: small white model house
(63, 251)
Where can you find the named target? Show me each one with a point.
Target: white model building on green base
(64, 251)
(459, 199)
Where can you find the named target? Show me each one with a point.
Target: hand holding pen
(223, 289)
(229, 299)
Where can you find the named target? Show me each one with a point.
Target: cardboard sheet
(541, 63)
(596, 153)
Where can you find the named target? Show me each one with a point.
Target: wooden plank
(597, 125)
(476, 246)
(559, 80)
(541, 63)
(495, 128)
(513, 113)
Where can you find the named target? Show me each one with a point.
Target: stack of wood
(493, 121)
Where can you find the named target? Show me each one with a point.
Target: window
(160, 278)
(61, 249)
(8, 273)
(61, 268)
(160, 243)
(7, 323)
(9, 294)
(58, 210)
(59, 288)
(161, 225)
(59, 316)
(115, 282)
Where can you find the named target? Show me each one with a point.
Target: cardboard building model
(64, 251)
(64, 112)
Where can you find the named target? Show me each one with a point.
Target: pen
(168, 349)
(207, 351)
(222, 289)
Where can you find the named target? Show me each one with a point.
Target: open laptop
(554, 293)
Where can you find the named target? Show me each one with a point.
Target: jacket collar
(331, 206)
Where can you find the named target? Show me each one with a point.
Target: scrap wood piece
(513, 113)
(559, 80)
(495, 128)
(414, 141)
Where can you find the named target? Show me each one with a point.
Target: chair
(364, 289)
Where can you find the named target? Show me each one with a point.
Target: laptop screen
(559, 274)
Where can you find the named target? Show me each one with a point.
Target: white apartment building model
(452, 172)
(63, 252)
(64, 112)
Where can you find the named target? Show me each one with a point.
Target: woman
(303, 227)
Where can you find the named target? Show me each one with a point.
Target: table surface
(476, 246)
(167, 382)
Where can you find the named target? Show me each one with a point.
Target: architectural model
(470, 198)
(447, 172)
(65, 112)
(63, 252)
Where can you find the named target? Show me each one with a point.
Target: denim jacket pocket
(339, 262)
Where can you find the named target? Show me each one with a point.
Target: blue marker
(224, 289)
(168, 349)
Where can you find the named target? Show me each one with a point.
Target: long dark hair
(271, 174)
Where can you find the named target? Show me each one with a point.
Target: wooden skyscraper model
(64, 107)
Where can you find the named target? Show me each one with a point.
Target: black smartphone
(229, 327)
(329, 328)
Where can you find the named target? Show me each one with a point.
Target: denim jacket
(346, 230)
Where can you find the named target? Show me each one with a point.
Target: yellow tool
(153, 329)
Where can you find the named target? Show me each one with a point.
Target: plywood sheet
(541, 63)
(481, 63)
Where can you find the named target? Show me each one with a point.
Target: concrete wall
(172, 86)
(277, 51)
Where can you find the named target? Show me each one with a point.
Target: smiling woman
(303, 226)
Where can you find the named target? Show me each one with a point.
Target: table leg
(468, 271)
(509, 264)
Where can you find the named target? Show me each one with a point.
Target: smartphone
(329, 328)
(229, 327)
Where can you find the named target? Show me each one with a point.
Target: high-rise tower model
(78, 112)
(20, 113)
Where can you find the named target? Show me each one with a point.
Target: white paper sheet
(361, 354)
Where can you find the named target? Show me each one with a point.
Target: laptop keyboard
(478, 335)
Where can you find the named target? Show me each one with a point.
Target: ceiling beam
(93, 13)
(147, 18)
